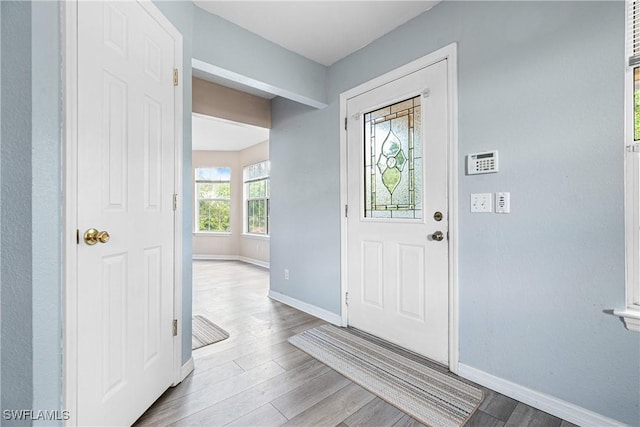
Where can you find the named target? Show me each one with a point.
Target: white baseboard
(552, 405)
(313, 310)
(214, 257)
(185, 370)
(254, 261)
(231, 258)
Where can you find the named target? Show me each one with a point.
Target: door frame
(450, 53)
(69, 27)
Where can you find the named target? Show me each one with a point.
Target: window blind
(633, 28)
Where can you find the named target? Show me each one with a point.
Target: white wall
(236, 244)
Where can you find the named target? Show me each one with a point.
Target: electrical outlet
(286, 274)
(503, 202)
(481, 202)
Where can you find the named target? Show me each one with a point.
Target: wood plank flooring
(256, 378)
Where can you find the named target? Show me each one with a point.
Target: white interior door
(397, 224)
(125, 181)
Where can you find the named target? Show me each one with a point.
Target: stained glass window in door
(393, 161)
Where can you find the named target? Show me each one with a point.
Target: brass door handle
(438, 236)
(93, 236)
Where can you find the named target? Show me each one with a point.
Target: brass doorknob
(438, 236)
(93, 236)
(103, 237)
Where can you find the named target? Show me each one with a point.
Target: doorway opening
(231, 189)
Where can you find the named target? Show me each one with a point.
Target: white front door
(125, 163)
(397, 223)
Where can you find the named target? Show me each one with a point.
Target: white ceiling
(212, 133)
(323, 31)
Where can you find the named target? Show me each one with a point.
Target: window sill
(630, 317)
(212, 233)
(256, 236)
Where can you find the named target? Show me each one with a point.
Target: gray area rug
(205, 332)
(432, 397)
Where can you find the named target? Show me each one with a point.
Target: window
(257, 192)
(392, 161)
(631, 313)
(213, 199)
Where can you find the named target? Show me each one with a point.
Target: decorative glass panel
(393, 161)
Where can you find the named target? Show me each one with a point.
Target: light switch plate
(503, 202)
(481, 202)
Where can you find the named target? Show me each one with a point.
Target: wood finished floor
(256, 378)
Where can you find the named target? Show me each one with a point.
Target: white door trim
(69, 16)
(450, 53)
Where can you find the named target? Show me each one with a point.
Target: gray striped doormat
(205, 332)
(434, 398)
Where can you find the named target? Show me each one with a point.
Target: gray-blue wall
(0, 200)
(15, 204)
(542, 82)
(15, 227)
(305, 202)
(31, 206)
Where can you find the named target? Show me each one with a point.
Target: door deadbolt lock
(438, 236)
(437, 216)
(93, 236)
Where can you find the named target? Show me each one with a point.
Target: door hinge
(175, 327)
(346, 211)
(175, 77)
(345, 123)
(634, 148)
(175, 202)
(77, 236)
(346, 298)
